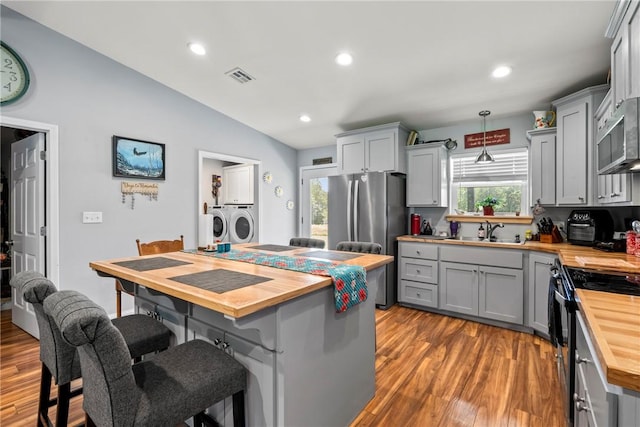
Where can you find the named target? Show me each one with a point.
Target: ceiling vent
(239, 75)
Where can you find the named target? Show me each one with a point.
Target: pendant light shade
(484, 156)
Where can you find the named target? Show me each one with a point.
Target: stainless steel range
(562, 298)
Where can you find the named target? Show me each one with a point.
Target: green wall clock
(14, 75)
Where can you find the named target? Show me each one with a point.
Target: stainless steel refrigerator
(370, 207)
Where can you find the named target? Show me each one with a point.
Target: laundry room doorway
(214, 218)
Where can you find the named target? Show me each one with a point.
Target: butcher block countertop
(613, 319)
(614, 327)
(284, 286)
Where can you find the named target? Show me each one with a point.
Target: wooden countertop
(614, 328)
(613, 319)
(285, 284)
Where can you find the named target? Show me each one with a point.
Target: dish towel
(349, 281)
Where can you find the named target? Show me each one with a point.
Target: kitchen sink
(493, 242)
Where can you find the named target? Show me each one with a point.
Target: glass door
(314, 213)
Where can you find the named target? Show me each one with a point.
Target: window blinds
(512, 165)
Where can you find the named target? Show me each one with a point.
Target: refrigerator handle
(355, 211)
(349, 201)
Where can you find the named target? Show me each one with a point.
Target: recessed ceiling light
(501, 71)
(197, 48)
(344, 59)
(305, 118)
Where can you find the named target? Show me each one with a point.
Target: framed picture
(133, 158)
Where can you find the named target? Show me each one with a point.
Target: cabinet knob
(217, 341)
(417, 271)
(581, 406)
(577, 398)
(225, 345)
(614, 194)
(619, 103)
(418, 252)
(581, 198)
(435, 202)
(581, 360)
(418, 295)
(600, 197)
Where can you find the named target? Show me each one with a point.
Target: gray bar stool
(306, 242)
(360, 247)
(165, 390)
(60, 362)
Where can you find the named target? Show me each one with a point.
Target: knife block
(554, 237)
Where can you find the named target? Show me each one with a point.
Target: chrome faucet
(491, 229)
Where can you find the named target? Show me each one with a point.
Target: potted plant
(488, 203)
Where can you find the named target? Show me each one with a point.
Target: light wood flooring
(431, 370)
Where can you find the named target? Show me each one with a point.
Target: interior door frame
(52, 185)
(332, 169)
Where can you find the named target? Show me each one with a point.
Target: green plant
(488, 201)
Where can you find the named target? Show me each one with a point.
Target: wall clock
(15, 76)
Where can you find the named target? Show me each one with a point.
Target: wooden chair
(155, 247)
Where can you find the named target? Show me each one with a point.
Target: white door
(314, 212)
(26, 220)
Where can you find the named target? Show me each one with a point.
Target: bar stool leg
(45, 393)
(238, 409)
(64, 395)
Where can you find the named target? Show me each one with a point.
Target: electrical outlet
(91, 217)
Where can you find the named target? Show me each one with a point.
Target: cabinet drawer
(510, 258)
(418, 250)
(419, 293)
(419, 270)
(164, 300)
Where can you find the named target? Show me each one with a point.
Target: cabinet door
(571, 172)
(539, 276)
(614, 188)
(380, 151)
(351, 154)
(632, 19)
(459, 288)
(501, 294)
(176, 322)
(543, 169)
(237, 184)
(424, 178)
(619, 58)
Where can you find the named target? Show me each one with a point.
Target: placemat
(220, 280)
(272, 248)
(329, 255)
(151, 263)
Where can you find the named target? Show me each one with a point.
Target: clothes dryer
(242, 224)
(220, 228)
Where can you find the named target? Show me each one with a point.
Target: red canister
(415, 224)
(632, 244)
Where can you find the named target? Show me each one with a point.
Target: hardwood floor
(431, 370)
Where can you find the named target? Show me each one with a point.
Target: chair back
(60, 358)
(306, 242)
(360, 247)
(160, 246)
(111, 397)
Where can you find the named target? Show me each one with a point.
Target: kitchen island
(307, 365)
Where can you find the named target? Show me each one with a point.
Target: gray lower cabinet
(487, 283)
(539, 275)
(597, 404)
(418, 274)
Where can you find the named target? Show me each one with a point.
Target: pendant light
(484, 156)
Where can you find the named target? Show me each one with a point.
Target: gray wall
(91, 98)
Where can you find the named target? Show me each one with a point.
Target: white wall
(91, 98)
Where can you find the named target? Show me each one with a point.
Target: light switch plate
(91, 217)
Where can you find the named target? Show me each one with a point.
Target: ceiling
(425, 63)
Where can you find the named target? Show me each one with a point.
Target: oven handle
(560, 296)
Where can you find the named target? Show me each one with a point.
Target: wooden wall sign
(494, 137)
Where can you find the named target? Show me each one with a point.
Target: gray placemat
(220, 280)
(333, 256)
(273, 248)
(151, 263)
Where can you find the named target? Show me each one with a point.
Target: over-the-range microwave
(619, 142)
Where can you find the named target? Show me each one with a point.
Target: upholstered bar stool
(60, 361)
(306, 242)
(360, 247)
(163, 391)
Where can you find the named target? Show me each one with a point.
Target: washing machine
(242, 224)
(221, 216)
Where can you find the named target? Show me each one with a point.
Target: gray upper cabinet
(625, 54)
(575, 146)
(542, 163)
(373, 149)
(427, 175)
